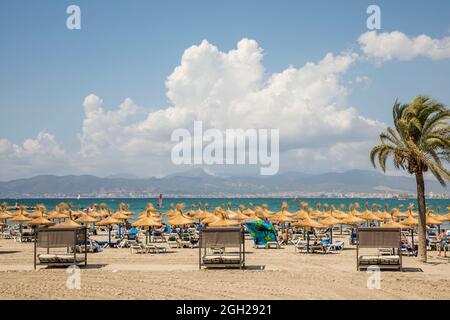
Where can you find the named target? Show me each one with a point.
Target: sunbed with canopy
(229, 237)
(52, 238)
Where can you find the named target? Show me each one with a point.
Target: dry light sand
(272, 274)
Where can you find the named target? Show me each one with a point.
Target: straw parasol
(433, 220)
(224, 223)
(148, 222)
(307, 223)
(330, 221)
(67, 224)
(120, 216)
(351, 220)
(41, 220)
(238, 215)
(393, 224)
(85, 218)
(4, 215)
(57, 215)
(180, 220)
(252, 218)
(302, 212)
(109, 221)
(210, 218)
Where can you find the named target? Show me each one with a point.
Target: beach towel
(261, 231)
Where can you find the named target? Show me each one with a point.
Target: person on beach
(442, 238)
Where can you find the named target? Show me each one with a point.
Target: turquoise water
(274, 204)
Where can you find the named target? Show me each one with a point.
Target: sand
(271, 274)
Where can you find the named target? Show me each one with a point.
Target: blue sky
(129, 48)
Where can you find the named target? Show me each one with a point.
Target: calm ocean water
(274, 204)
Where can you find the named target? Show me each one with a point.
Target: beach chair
(185, 241)
(151, 248)
(138, 248)
(173, 242)
(273, 245)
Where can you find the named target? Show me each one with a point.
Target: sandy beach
(270, 274)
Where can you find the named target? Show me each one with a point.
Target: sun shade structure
(85, 218)
(373, 238)
(42, 221)
(67, 224)
(57, 215)
(410, 221)
(5, 216)
(210, 218)
(308, 223)
(351, 220)
(433, 220)
(211, 238)
(383, 215)
(223, 223)
(120, 216)
(68, 238)
(395, 225)
(180, 220)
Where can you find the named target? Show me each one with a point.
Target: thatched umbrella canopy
(210, 218)
(330, 221)
(146, 222)
(308, 223)
(109, 222)
(338, 214)
(260, 213)
(410, 221)
(433, 220)
(180, 220)
(248, 212)
(67, 224)
(393, 224)
(40, 212)
(4, 215)
(252, 218)
(20, 218)
(58, 215)
(85, 218)
(238, 215)
(42, 221)
(352, 220)
(224, 223)
(120, 216)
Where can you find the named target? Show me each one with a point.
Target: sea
(274, 204)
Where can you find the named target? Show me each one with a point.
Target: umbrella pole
(412, 237)
(109, 236)
(307, 243)
(331, 234)
(341, 229)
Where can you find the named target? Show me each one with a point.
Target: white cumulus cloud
(226, 90)
(396, 45)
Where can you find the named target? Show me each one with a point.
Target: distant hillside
(198, 182)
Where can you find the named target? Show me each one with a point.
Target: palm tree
(420, 142)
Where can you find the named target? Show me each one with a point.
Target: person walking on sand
(442, 238)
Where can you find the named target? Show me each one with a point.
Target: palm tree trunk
(422, 229)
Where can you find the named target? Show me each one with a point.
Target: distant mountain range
(200, 183)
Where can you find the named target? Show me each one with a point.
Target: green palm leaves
(419, 141)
